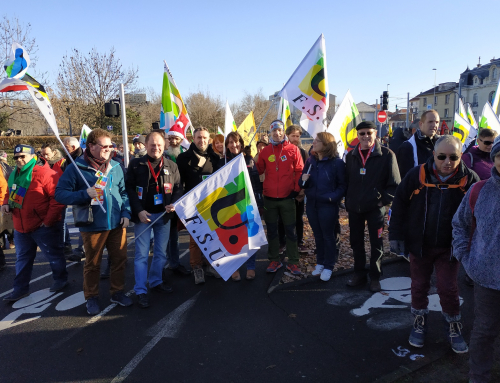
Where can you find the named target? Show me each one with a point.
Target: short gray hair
(72, 141)
(450, 140)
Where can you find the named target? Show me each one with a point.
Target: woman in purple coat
(478, 157)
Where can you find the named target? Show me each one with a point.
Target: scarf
(100, 165)
(19, 182)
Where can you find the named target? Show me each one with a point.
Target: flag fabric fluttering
(173, 109)
(284, 112)
(462, 111)
(18, 62)
(219, 130)
(222, 217)
(307, 88)
(83, 136)
(489, 119)
(247, 130)
(344, 122)
(496, 101)
(464, 131)
(229, 124)
(470, 117)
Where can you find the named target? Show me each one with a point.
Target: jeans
(375, 221)
(173, 246)
(284, 208)
(50, 242)
(421, 269)
(484, 332)
(67, 239)
(323, 219)
(161, 233)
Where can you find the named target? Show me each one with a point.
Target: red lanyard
(155, 176)
(363, 159)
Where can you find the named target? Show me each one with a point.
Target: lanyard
(363, 159)
(155, 176)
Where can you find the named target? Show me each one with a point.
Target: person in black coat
(397, 139)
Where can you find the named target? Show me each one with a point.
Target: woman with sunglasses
(323, 179)
(478, 157)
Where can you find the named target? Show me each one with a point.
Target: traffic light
(385, 100)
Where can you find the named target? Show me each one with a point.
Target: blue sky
(229, 47)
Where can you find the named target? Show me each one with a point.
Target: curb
(276, 286)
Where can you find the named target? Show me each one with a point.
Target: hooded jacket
(425, 147)
(424, 219)
(189, 166)
(282, 164)
(375, 188)
(39, 204)
(71, 190)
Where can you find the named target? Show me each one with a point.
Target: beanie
(495, 148)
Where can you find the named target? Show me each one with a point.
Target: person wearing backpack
(430, 194)
(476, 235)
(478, 157)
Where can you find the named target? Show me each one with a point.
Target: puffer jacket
(282, 164)
(71, 190)
(424, 218)
(39, 204)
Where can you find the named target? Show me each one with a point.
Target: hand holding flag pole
(147, 228)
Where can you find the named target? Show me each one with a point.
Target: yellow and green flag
(343, 125)
(247, 131)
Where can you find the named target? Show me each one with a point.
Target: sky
(232, 47)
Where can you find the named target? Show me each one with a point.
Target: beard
(173, 151)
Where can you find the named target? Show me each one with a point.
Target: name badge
(283, 158)
(99, 198)
(166, 171)
(168, 188)
(14, 186)
(158, 199)
(138, 189)
(362, 171)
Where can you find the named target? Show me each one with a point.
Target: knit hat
(495, 148)
(26, 149)
(140, 139)
(177, 130)
(366, 125)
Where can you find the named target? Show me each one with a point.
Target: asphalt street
(216, 332)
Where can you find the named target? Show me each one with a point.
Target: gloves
(397, 247)
(293, 194)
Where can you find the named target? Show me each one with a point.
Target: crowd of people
(442, 207)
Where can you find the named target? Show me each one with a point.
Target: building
(478, 85)
(366, 112)
(135, 98)
(442, 98)
(414, 109)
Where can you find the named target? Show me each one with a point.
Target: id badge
(14, 186)
(166, 172)
(168, 188)
(99, 198)
(101, 182)
(138, 189)
(362, 171)
(158, 199)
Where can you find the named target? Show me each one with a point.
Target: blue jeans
(142, 243)
(173, 246)
(251, 262)
(67, 239)
(50, 241)
(322, 218)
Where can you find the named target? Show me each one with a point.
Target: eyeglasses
(367, 133)
(21, 157)
(452, 157)
(105, 146)
(487, 143)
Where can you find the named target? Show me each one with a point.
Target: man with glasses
(478, 157)
(372, 178)
(37, 220)
(107, 228)
(422, 213)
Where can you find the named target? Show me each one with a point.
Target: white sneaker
(326, 275)
(318, 270)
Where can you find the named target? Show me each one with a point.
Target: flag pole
(147, 228)
(263, 118)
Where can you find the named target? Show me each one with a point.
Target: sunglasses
(367, 133)
(452, 157)
(21, 157)
(105, 146)
(487, 143)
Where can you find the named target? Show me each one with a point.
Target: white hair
(450, 140)
(72, 141)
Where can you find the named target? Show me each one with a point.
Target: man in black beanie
(372, 178)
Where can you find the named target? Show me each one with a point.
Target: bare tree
(87, 81)
(205, 110)
(260, 105)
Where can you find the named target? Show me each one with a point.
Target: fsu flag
(222, 217)
(343, 125)
(464, 131)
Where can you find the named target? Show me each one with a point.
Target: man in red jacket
(37, 220)
(282, 164)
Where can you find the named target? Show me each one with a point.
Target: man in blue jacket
(107, 228)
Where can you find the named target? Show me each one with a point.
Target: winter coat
(326, 184)
(191, 173)
(282, 164)
(424, 219)
(375, 188)
(479, 161)
(61, 165)
(6, 169)
(39, 205)
(482, 260)
(425, 147)
(139, 175)
(71, 190)
(397, 139)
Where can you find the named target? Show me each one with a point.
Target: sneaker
(181, 270)
(93, 306)
(456, 339)
(274, 266)
(294, 269)
(326, 274)
(318, 270)
(199, 276)
(162, 288)
(121, 299)
(282, 249)
(418, 332)
(15, 296)
(58, 285)
(212, 272)
(143, 301)
(12, 245)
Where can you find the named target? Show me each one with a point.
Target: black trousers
(375, 221)
(299, 225)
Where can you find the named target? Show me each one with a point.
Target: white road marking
(33, 298)
(71, 302)
(168, 327)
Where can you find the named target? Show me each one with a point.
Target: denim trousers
(484, 332)
(67, 239)
(161, 234)
(50, 242)
(323, 218)
(173, 246)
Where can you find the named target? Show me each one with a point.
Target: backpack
(460, 185)
(473, 196)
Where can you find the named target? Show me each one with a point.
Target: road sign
(382, 116)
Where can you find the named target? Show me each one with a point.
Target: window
(474, 99)
(425, 102)
(435, 100)
(447, 99)
(490, 97)
(446, 113)
(475, 81)
(494, 73)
